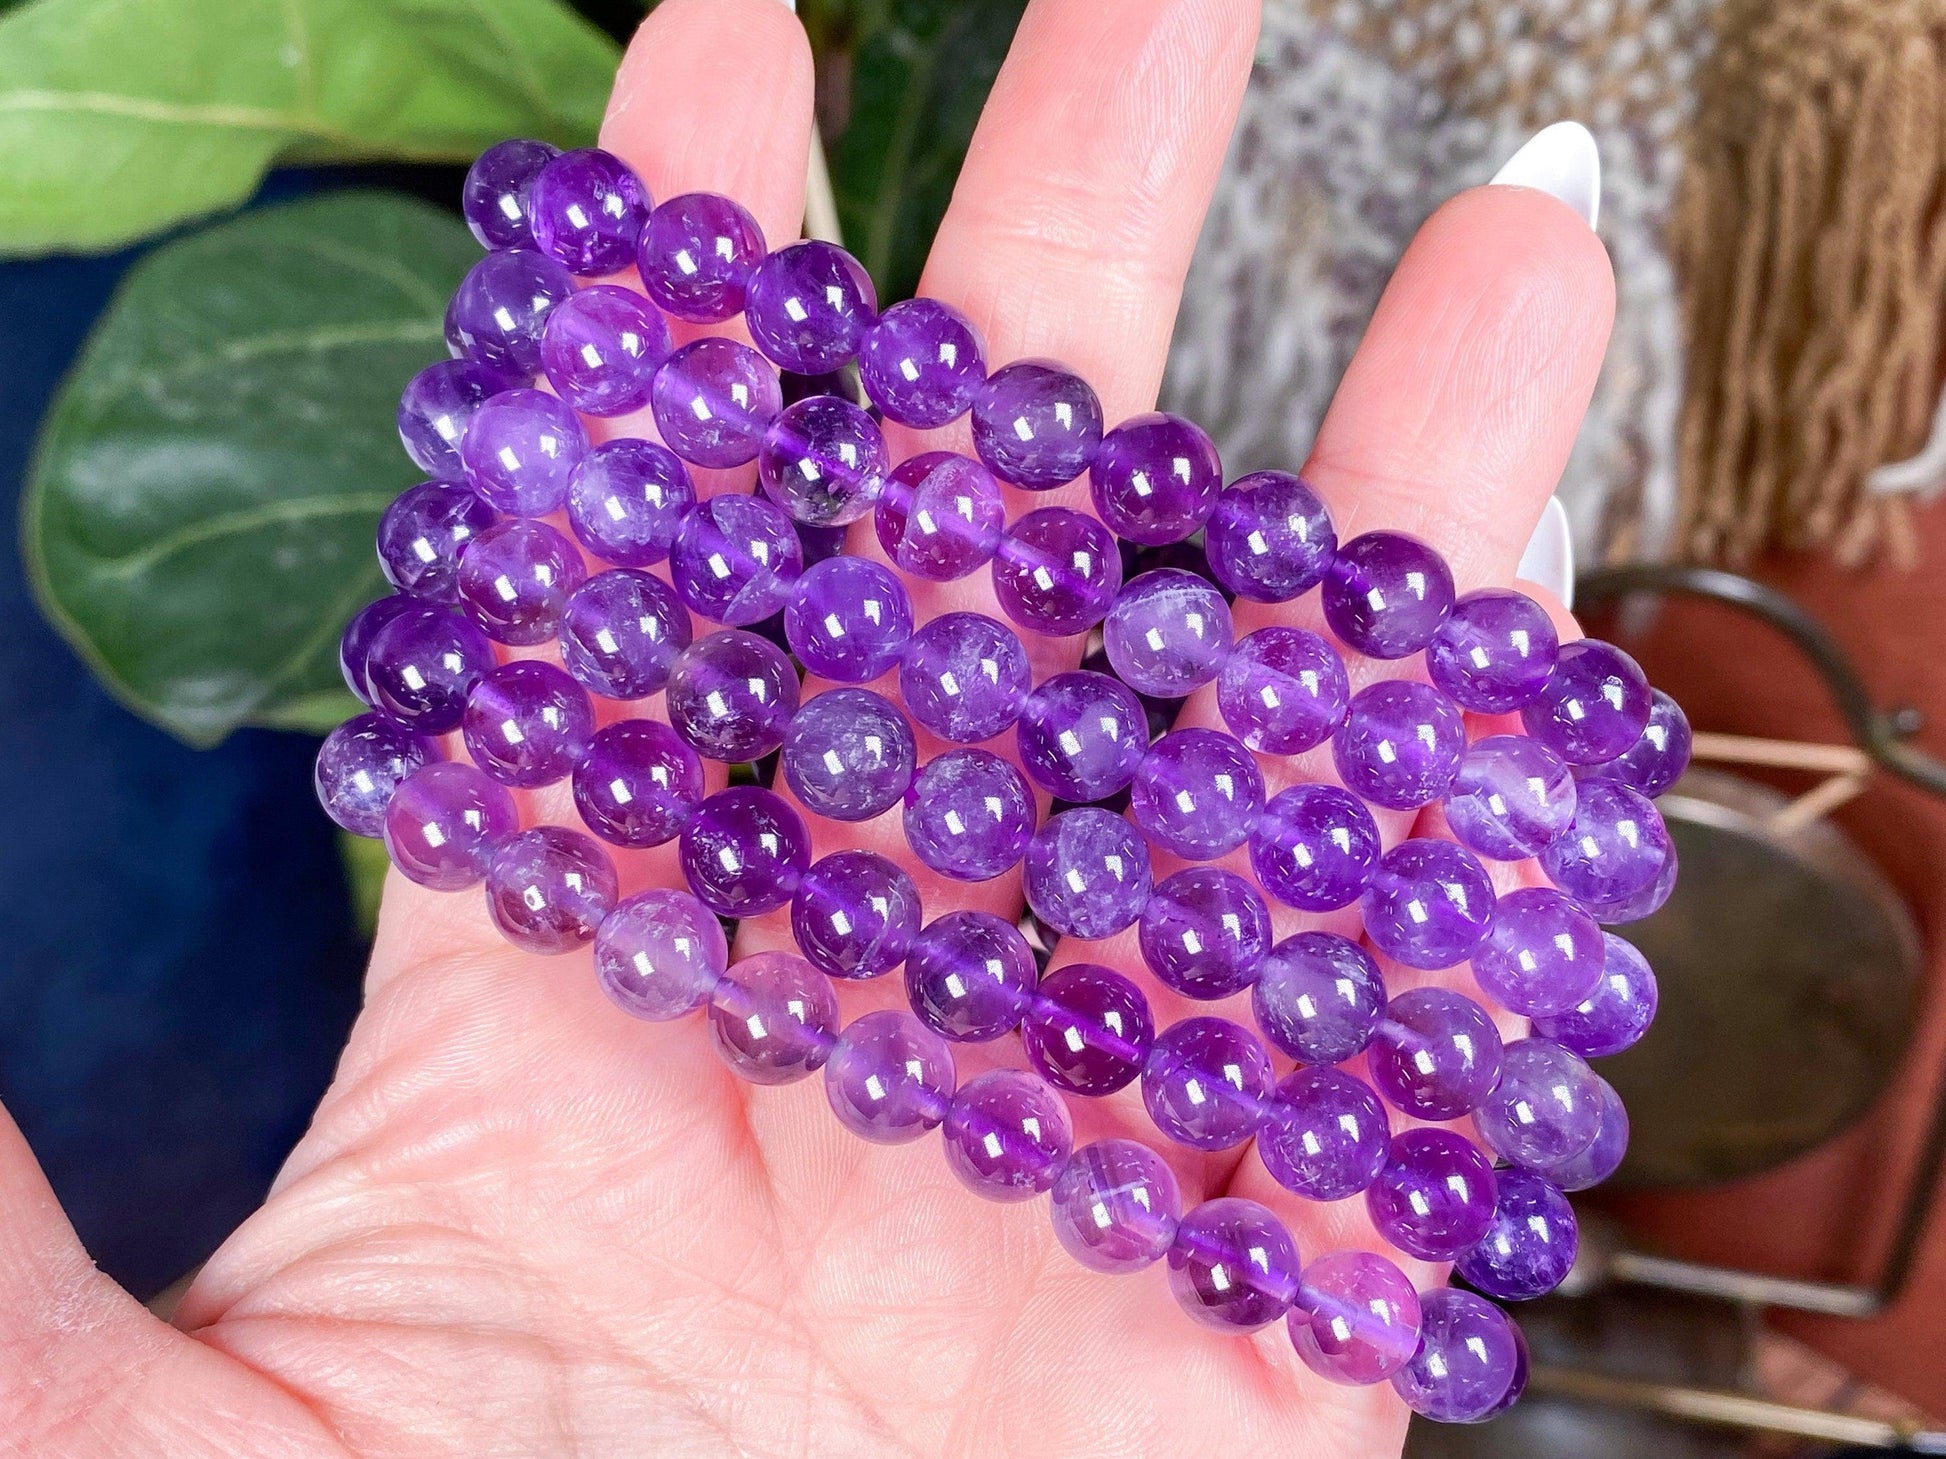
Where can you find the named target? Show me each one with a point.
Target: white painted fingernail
(1563, 162)
(1549, 558)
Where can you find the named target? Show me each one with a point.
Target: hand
(525, 1224)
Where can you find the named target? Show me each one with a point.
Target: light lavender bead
(437, 406)
(515, 579)
(659, 954)
(422, 534)
(849, 755)
(1429, 905)
(1468, 1358)
(527, 723)
(1616, 1014)
(1546, 1108)
(1543, 954)
(890, 1078)
(1269, 538)
(824, 461)
(1318, 997)
(1283, 690)
(773, 1018)
(713, 399)
(1168, 633)
(1115, 1206)
(964, 677)
(549, 888)
(361, 763)
(1206, 1083)
(1356, 1318)
(601, 349)
(1197, 793)
(1324, 1135)
(1604, 1153)
(940, 516)
(1510, 797)
(1400, 744)
(1436, 1055)
(1086, 873)
(621, 633)
(1494, 652)
(627, 500)
(520, 450)
(443, 822)
(497, 314)
(969, 815)
(1007, 1135)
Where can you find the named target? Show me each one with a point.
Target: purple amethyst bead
(1197, 793)
(1007, 1135)
(1436, 1055)
(1614, 849)
(355, 643)
(361, 763)
(1315, 847)
(849, 754)
(823, 461)
(497, 193)
(422, 534)
(1204, 932)
(695, 254)
(808, 306)
(515, 579)
(1206, 1083)
(1400, 744)
(1494, 652)
(1593, 707)
(497, 314)
(601, 349)
(527, 724)
(1434, 1198)
(1386, 594)
(731, 696)
(1546, 1108)
(854, 914)
(773, 1018)
(659, 954)
(1283, 690)
(549, 889)
(1057, 572)
(1088, 1030)
(1510, 797)
(1081, 735)
(1531, 1244)
(1469, 1356)
(1643, 902)
(744, 851)
(1319, 997)
(1325, 1135)
(964, 677)
(1086, 873)
(1429, 905)
(970, 976)
(1168, 633)
(1115, 1206)
(520, 451)
(713, 400)
(438, 404)
(621, 632)
(422, 664)
(1542, 955)
(940, 516)
(890, 1079)
(969, 815)
(588, 210)
(921, 362)
(1604, 1153)
(848, 619)
(443, 822)
(1155, 478)
(1269, 537)
(638, 783)
(1356, 1318)
(1036, 424)
(1616, 1014)
(627, 500)
(1233, 1266)
(1657, 760)
(735, 560)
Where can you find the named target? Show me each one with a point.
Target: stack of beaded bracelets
(476, 564)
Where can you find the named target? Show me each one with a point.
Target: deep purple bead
(1494, 652)
(735, 560)
(1546, 1108)
(1007, 1135)
(621, 632)
(1086, 873)
(497, 313)
(921, 362)
(361, 763)
(1115, 1206)
(890, 1079)
(549, 889)
(1400, 744)
(1531, 1244)
(1616, 1014)
(1356, 1318)
(1604, 1153)
(1593, 707)
(969, 815)
(940, 516)
(520, 451)
(970, 976)
(1469, 1355)
(421, 535)
(1206, 1082)
(443, 822)
(1197, 793)
(496, 195)
(1088, 1030)
(601, 349)
(1324, 1135)
(1269, 537)
(422, 664)
(659, 954)
(824, 461)
(1283, 690)
(355, 643)
(1436, 1055)
(964, 677)
(1386, 594)
(1542, 955)
(1167, 633)
(588, 209)
(744, 851)
(1233, 1266)
(1057, 572)
(1657, 760)
(1510, 797)
(808, 306)
(1315, 847)
(1429, 905)
(1319, 997)
(773, 1018)
(1205, 932)
(438, 404)
(515, 579)
(695, 254)
(713, 400)
(849, 754)
(527, 724)
(1081, 735)
(854, 914)
(731, 695)
(627, 500)
(1615, 847)
(638, 783)
(1434, 1198)
(1155, 478)
(848, 619)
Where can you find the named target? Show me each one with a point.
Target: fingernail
(1563, 162)
(1549, 558)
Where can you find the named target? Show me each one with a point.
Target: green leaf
(122, 117)
(365, 864)
(198, 519)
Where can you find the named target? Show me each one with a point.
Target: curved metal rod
(1885, 735)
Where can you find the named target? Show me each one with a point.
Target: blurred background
(227, 229)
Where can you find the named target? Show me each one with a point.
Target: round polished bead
(890, 1078)
(1081, 735)
(1057, 572)
(964, 677)
(438, 404)
(1469, 1356)
(515, 579)
(1233, 1266)
(808, 306)
(921, 362)
(1036, 423)
(1168, 633)
(849, 754)
(527, 724)
(1319, 997)
(1400, 744)
(1510, 797)
(1324, 1134)
(355, 643)
(848, 619)
(1436, 1055)
(1356, 1318)
(1531, 1244)
(1644, 901)
(1604, 1153)
(621, 632)
(969, 815)
(1206, 1082)
(940, 516)
(823, 461)
(1543, 954)
(1008, 1135)
(1429, 905)
(1086, 873)
(1657, 760)
(549, 889)
(422, 664)
(601, 349)
(498, 311)
(713, 400)
(970, 976)
(627, 500)
(1269, 537)
(1315, 847)
(773, 1018)
(695, 254)
(1594, 706)
(496, 195)
(1088, 1030)
(1115, 1206)
(1494, 652)
(1283, 690)
(736, 560)
(1614, 848)
(1155, 478)
(854, 914)
(638, 783)
(659, 954)
(588, 210)
(1616, 1014)
(520, 450)
(1197, 793)
(361, 763)
(744, 851)
(1546, 1108)
(731, 695)
(422, 534)
(442, 823)
(1386, 594)
(1205, 932)
(1434, 1198)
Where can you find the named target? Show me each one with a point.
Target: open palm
(523, 1223)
